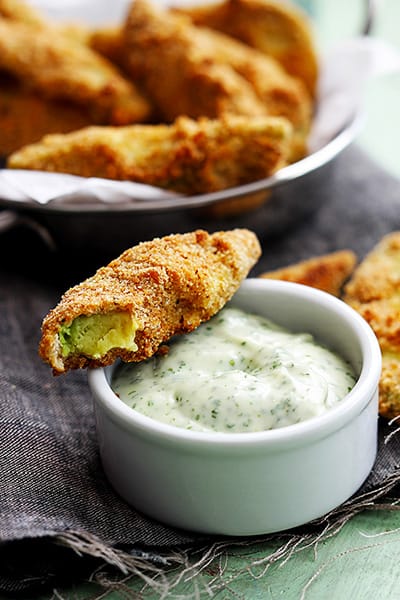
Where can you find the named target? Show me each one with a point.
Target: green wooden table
(360, 562)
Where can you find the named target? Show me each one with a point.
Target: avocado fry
(151, 292)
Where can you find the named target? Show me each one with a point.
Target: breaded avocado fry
(373, 291)
(189, 156)
(327, 272)
(153, 291)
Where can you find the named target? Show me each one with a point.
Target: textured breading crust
(58, 67)
(109, 42)
(280, 93)
(378, 275)
(169, 284)
(371, 288)
(328, 272)
(389, 386)
(18, 10)
(22, 12)
(179, 75)
(189, 156)
(374, 292)
(18, 128)
(279, 29)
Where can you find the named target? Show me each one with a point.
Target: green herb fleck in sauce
(238, 372)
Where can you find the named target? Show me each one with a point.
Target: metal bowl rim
(288, 174)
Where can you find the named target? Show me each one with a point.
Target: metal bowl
(268, 207)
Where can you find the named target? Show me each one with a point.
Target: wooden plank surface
(358, 563)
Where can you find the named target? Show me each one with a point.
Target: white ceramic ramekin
(251, 483)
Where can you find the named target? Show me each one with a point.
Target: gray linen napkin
(52, 484)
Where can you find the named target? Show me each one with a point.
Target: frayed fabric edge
(162, 571)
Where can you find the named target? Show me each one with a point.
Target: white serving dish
(251, 483)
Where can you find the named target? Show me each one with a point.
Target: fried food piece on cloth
(151, 292)
(279, 29)
(179, 74)
(327, 272)
(373, 291)
(188, 157)
(58, 67)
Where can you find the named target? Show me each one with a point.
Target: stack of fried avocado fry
(159, 99)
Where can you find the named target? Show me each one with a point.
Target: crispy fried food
(279, 29)
(189, 156)
(18, 128)
(389, 386)
(281, 94)
(178, 74)
(22, 12)
(373, 291)
(17, 10)
(378, 275)
(151, 292)
(328, 272)
(109, 42)
(57, 67)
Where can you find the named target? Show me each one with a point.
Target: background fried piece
(281, 94)
(373, 291)
(17, 10)
(17, 126)
(389, 386)
(170, 285)
(188, 156)
(378, 275)
(328, 272)
(278, 29)
(58, 67)
(179, 75)
(109, 42)
(22, 12)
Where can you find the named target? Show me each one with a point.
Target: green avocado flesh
(95, 335)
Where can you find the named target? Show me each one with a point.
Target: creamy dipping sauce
(238, 372)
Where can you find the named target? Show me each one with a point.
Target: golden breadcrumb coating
(18, 128)
(60, 68)
(109, 42)
(189, 156)
(279, 29)
(23, 12)
(179, 75)
(378, 275)
(280, 93)
(170, 285)
(373, 291)
(328, 272)
(389, 386)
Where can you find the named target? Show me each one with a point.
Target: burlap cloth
(52, 487)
